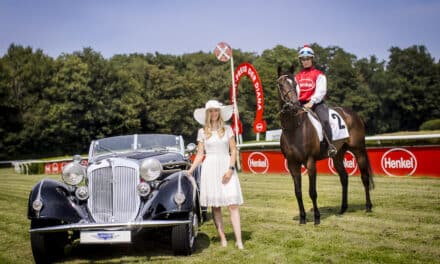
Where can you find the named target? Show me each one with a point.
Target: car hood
(163, 157)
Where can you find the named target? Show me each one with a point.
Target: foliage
(402, 227)
(36, 168)
(55, 106)
(431, 125)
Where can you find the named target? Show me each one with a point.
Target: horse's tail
(370, 171)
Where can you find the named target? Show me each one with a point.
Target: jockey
(312, 88)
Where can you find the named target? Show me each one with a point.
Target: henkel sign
(402, 161)
(47, 168)
(56, 167)
(350, 164)
(258, 163)
(399, 162)
(307, 84)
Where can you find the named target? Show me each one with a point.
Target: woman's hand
(309, 105)
(227, 176)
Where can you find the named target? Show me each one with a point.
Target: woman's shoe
(239, 246)
(224, 243)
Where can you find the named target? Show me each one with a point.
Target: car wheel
(47, 247)
(183, 236)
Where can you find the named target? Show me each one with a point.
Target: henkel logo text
(258, 162)
(350, 164)
(306, 84)
(399, 162)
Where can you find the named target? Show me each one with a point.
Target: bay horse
(300, 145)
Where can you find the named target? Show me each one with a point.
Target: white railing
(371, 138)
(22, 166)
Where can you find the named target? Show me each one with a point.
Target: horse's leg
(367, 180)
(338, 162)
(295, 171)
(311, 169)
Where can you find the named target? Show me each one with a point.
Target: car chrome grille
(113, 197)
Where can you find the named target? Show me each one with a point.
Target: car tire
(183, 237)
(47, 247)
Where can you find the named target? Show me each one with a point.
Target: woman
(219, 183)
(312, 89)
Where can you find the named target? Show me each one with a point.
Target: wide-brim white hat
(225, 111)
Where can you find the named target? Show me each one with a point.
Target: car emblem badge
(105, 236)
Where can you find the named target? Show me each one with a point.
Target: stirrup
(332, 151)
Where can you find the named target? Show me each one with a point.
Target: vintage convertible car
(130, 183)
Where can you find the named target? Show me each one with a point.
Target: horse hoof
(302, 221)
(317, 222)
(343, 210)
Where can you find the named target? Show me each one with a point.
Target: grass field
(403, 228)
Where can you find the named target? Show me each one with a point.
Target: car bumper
(110, 226)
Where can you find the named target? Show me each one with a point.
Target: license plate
(105, 237)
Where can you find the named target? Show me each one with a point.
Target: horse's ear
(279, 70)
(292, 68)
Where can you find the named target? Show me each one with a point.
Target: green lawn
(403, 228)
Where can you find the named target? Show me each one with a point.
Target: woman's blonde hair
(208, 128)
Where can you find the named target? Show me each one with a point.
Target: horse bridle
(288, 105)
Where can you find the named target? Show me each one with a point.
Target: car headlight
(37, 205)
(151, 169)
(179, 198)
(82, 193)
(143, 189)
(73, 173)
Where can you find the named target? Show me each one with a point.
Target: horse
(300, 145)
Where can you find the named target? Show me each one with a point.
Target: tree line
(56, 106)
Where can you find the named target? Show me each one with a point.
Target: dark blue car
(130, 183)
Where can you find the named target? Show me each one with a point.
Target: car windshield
(136, 143)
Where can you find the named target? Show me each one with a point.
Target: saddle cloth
(337, 124)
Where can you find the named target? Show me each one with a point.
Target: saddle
(338, 127)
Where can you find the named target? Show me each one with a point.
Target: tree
(56, 106)
(413, 87)
(346, 86)
(373, 75)
(67, 104)
(23, 76)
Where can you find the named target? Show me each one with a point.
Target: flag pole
(234, 101)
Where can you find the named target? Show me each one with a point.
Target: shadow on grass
(327, 211)
(245, 235)
(230, 236)
(145, 245)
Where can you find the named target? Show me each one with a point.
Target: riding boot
(332, 151)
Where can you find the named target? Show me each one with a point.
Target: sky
(362, 28)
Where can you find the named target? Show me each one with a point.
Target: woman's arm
(233, 150)
(231, 168)
(199, 157)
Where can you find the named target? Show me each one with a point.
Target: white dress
(212, 191)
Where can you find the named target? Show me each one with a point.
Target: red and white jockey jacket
(311, 85)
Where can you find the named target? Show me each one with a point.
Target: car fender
(58, 202)
(164, 204)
